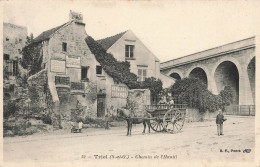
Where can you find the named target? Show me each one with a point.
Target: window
(84, 73)
(7, 39)
(15, 67)
(142, 74)
(20, 40)
(98, 70)
(129, 51)
(64, 46)
(6, 57)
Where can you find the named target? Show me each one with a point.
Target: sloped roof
(166, 80)
(106, 43)
(46, 34)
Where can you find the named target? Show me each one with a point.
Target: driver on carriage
(162, 100)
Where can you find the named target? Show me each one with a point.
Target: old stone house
(14, 38)
(70, 76)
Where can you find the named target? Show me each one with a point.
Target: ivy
(120, 71)
(32, 57)
(155, 86)
(194, 92)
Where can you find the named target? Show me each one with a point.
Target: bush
(32, 56)
(18, 126)
(10, 108)
(154, 85)
(194, 93)
(46, 119)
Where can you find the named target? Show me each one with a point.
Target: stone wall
(61, 110)
(14, 37)
(137, 100)
(38, 82)
(193, 115)
(116, 102)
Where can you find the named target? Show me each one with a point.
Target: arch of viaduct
(228, 65)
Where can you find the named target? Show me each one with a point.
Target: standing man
(108, 116)
(219, 121)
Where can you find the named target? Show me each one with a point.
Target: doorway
(101, 105)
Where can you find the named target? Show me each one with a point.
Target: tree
(194, 93)
(32, 57)
(29, 39)
(226, 96)
(154, 85)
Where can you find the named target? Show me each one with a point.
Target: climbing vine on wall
(32, 57)
(120, 71)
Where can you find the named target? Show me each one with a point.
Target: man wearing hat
(219, 121)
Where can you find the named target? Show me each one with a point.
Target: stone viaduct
(232, 64)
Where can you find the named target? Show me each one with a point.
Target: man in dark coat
(219, 121)
(108, 116)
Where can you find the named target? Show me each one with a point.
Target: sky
(170, 29)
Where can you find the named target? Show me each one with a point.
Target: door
(101, 104)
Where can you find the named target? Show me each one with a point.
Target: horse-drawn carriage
(161, 118)
(168, 118)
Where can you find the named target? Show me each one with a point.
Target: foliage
(18, 126)
(34, 96)
(155, 86)
(29, 39)
(32, 57)
(120, 71)
(226, 96)
(46, 118)
(193, 92)
(10, 108)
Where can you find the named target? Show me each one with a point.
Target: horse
(130, 119)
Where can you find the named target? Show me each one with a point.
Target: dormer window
(129, 51)
(64, 46)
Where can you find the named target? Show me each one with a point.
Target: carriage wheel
(173, 120)
(157, 125)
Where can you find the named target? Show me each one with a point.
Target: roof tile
(46, 34)
(109, 41)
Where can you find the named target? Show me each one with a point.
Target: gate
(101, 105)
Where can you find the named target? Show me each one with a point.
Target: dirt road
(197, 141)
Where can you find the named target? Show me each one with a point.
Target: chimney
(76, 16)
